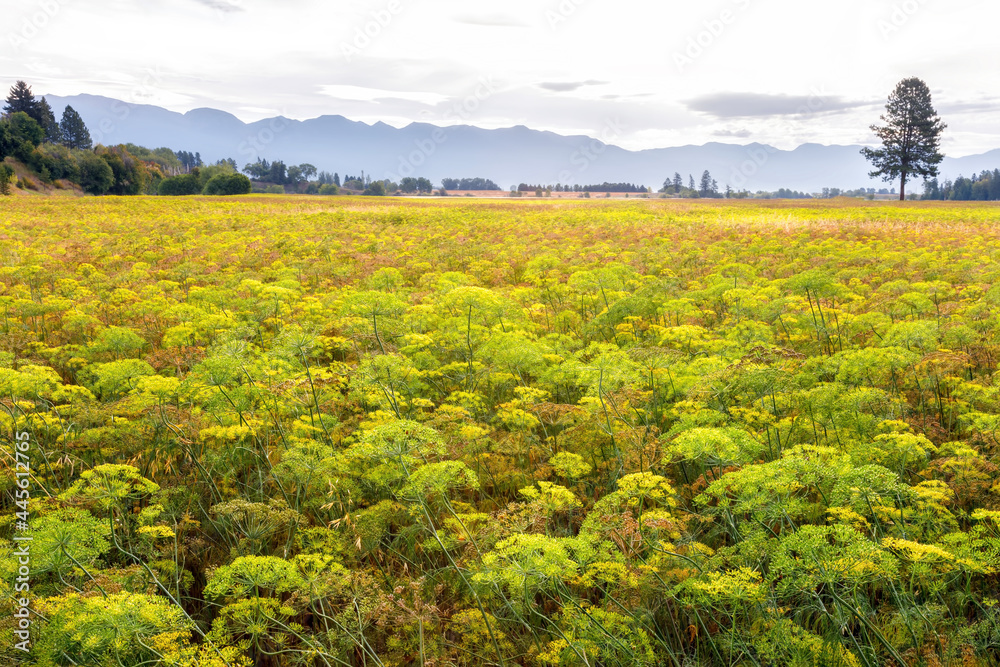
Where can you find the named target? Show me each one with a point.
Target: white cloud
(496, 20)
(254, 56)
(362, 94)
(568, 86)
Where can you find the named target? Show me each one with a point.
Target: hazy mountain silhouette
(507, 156)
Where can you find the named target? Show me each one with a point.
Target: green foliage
(59, 161)
(6, 141)
(792, 488)
(717, 446)
(20, 99)
(108, 631)
(96, 176)
(255, 524)
(590, 635)
(68, 539)
(376, 189)
(75, 134)
(110, 486)
(228, 184)
(176, 186)
(569, 465)
(817, 557)
(24, 134)
(523, 565)
(130, 175)
(435, 480)
(164, 158)
(911, 136)
(117, 378)
(253, 576)
(47, 119)
(6, 176)
(118, 342)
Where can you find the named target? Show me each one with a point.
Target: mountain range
(507, 156)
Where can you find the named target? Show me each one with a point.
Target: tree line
(617, 188)
(981, 187)
(61, 154)
(275, 174)
(468, 184)
(70, 131)
(707, 188)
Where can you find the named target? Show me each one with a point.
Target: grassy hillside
(29, 183)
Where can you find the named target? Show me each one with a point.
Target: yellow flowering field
(279, 431)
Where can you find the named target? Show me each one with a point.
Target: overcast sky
(637, 73)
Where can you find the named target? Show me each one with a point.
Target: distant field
(360, 431)
(551, 195)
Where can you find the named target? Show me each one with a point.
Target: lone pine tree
(911, 136)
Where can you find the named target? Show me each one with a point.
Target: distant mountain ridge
(508, 156)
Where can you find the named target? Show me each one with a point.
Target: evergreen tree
(53, 134)
(6, 140)
(706, 184)
(22, 99)
(277, 174)
(336, 179)
(911, 136)
(979, 187)
(74, 131)
(678, 182)
(690, 182)
(191, 161)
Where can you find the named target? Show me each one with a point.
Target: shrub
(179, 186)
(329, 189)
(130, 176)
(228, 184)
(376, 189)
(176, 186)
(58, 160)
(96, 176)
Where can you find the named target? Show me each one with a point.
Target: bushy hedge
(190, 184)
(228, 184)
(178, 186)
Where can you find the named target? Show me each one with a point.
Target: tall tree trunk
(902, 188)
